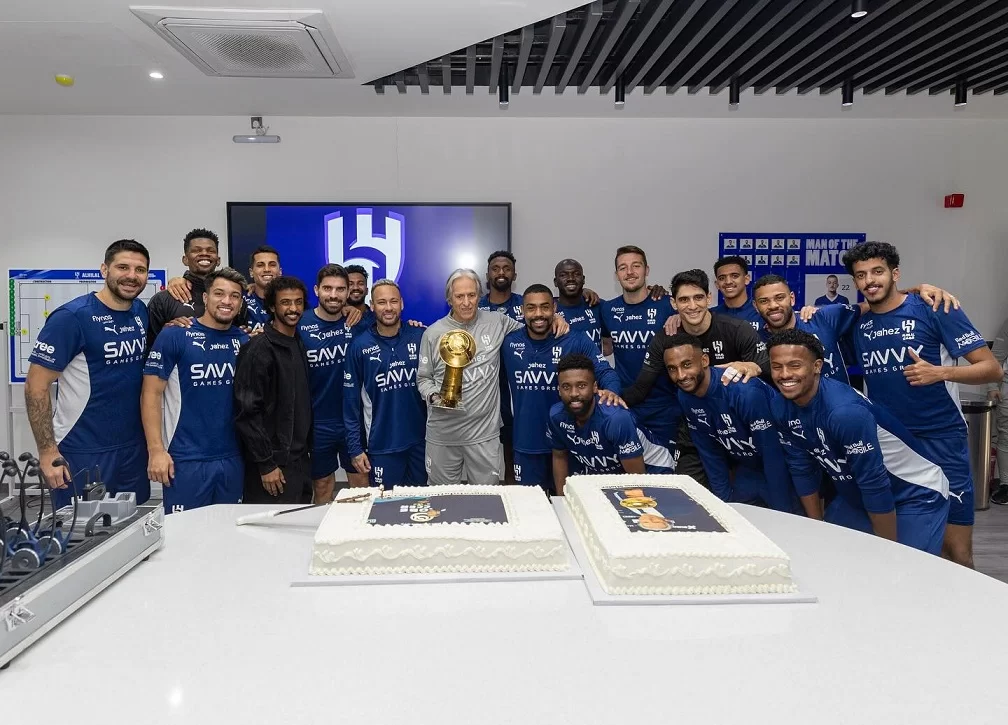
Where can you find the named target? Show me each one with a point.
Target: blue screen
(417, 245)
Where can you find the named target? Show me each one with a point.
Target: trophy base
(442, 406)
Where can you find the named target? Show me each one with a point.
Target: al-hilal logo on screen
(382, 256)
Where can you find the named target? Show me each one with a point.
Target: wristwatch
(431, 397)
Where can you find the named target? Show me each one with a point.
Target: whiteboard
(35, 293)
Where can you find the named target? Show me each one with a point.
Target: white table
(209, 630)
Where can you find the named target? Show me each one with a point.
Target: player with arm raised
(93, 346)
(907, 352)
(530, 357)
(886, 481)
(188, 400)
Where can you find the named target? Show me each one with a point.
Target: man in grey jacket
(464, 444)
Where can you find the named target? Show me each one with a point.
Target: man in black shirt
(273, 413)
(729, 342)
(200, 257)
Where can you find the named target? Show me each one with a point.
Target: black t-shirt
(301, 392)
(726, 339)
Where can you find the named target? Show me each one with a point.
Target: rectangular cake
(413, 530)
(657, 534)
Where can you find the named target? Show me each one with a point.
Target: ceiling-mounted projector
(258, 134)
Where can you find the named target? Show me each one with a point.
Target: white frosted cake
(654, 534)
(440, 529)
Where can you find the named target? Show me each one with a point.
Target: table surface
(209, 630)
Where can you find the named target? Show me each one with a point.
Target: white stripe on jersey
(952, 388)
(73, 391)
(904, 462)
(172, 407)
(368, 412)
(654, 454)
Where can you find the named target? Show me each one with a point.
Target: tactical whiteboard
(35, 293)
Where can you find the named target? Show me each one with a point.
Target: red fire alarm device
(954, 201)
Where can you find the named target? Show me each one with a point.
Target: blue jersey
(531, 370)
(199, 364)
(609, 437)
(830, 325)
(512, 308)
(731, 428)
(939, 338)
(99, 354)
(631, 327)
(747, 312)
(876, 464)
(380, 391)
(257, 314)
(327, 344)
(584, 318)
(825, 301)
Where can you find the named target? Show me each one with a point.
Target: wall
(580, 187)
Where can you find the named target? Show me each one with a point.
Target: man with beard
(93, 346)
(465, 441)
(731, 275)
(529, 358)
(907, 352)
(590, 438)
(264, 266)
(730, 426)
(201, 258)
(569, 279)
(272, 403)
(358, 279)
(380, 391)
(326, 334)
(886, 482)
(188, 381)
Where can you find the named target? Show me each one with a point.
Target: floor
(990, 539)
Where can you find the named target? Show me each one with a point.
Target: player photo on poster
(824, 289)
(455, 509)
(660, 509)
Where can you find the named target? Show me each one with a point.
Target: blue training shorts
(202, 483)
(918, 528)
(534, 469)
(329, 451)
(401, 468)
(950, 452)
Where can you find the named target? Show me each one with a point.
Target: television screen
(417, 245)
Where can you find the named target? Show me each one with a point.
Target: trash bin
(979, 414)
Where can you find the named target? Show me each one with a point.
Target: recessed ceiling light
(156, 75)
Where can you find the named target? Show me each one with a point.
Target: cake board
(600, 597)
(303, 579)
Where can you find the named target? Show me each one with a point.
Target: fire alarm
(954, 201)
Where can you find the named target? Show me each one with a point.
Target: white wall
(580, 187)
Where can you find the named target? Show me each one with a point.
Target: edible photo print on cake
(459, 508)
(660, 510)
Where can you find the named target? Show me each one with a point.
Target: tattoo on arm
(40, 415)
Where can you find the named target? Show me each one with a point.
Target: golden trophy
(457, 348)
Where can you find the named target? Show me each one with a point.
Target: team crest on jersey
(908, 329)
(485, 339)
(236, 344)
(557, 352)
(652, 314)
(412, 349)
(590, 315)
(718, 347)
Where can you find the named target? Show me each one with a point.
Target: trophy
(457, 348)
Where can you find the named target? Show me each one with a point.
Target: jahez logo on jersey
(203, 374)
(380, 254)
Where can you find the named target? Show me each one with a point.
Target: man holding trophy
(458, 377)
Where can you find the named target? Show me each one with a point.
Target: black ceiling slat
(981, 79)
(949, 75)
(400, 81)
(1001, 91)
(752, 38)
(780, 73)
(379, 86)
(937, 72)
(557, 28)
(825, 71)
(919, 40)
(496, 55)
(446, 81)
(614, 29)
(992, 82)
(423, 78)
(584, 34)
(660, 42)
(748, 11)
(747, 73)
(527, 36)
(470, 77)
(651, 16)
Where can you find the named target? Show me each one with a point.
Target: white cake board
(304, 579)
(600, 597)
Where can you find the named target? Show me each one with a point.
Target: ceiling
(561, 57)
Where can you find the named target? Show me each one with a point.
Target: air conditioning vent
(251, 44)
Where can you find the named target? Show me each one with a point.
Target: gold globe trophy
(457, 348)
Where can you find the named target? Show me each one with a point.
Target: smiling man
(731, 275)
(187, 402)
(572, 305)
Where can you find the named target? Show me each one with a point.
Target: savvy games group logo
(381, 255)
